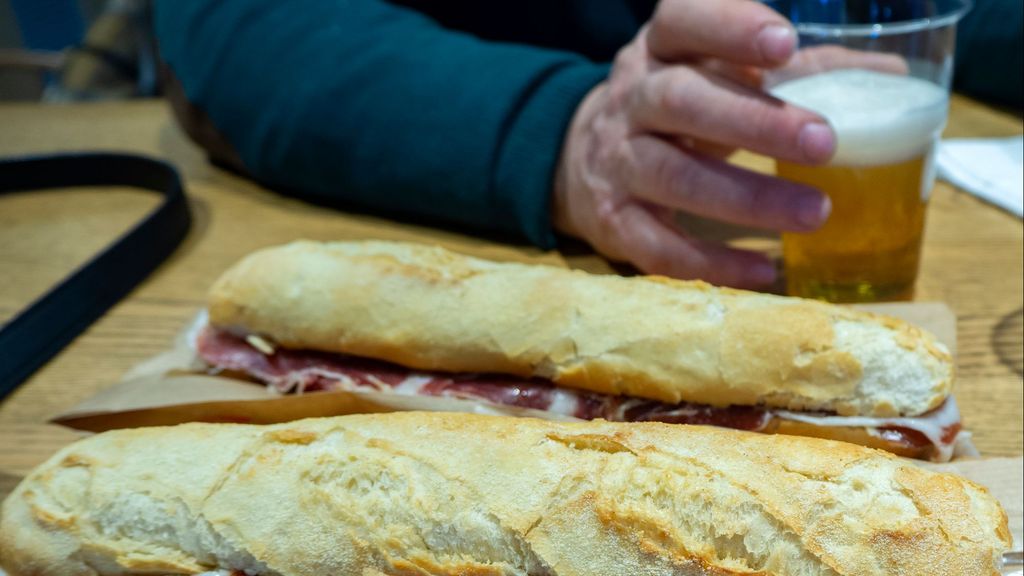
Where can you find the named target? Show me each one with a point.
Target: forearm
(197, 124)
(380, 107)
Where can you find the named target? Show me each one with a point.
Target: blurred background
(73, 50)
(76, 50)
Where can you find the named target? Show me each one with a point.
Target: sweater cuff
(525, 170)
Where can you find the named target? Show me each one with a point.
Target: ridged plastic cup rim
(888, 28)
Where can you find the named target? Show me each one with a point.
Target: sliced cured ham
(304, 371)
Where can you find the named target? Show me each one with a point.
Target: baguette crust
(650, 337)
(446, 494)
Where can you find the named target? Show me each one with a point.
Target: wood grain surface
(973, 262)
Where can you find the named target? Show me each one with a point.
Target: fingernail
(776, 42)
(762, 273)
(813, 211)
(816, 141)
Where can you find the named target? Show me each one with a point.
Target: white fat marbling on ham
(941, 426)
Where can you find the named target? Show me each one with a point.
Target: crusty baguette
(651, 337)
(432, 493)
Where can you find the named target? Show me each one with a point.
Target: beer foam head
(878, 118)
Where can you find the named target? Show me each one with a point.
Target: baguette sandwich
(421, 493)
(393, 318)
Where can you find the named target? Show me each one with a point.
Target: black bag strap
(40, 331)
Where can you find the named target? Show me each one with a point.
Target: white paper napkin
(990, 168)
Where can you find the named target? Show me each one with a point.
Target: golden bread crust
(444, 493)
(650, 337)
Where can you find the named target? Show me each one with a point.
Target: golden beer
(878, 180)
(869, 248)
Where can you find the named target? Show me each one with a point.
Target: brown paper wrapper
(176, 398)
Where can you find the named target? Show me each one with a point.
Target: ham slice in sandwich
(393, 318)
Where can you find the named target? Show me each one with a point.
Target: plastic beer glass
(879, 71)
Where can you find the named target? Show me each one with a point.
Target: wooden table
(972, 261)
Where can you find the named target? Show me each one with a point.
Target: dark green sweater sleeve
(380, 107)
(990, 52)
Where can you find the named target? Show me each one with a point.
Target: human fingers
(702, 147)
(681, 100)
(657, 172)
(749, 76)
(657, 248)
(739, 31)
(818, 59)
(831, 57)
